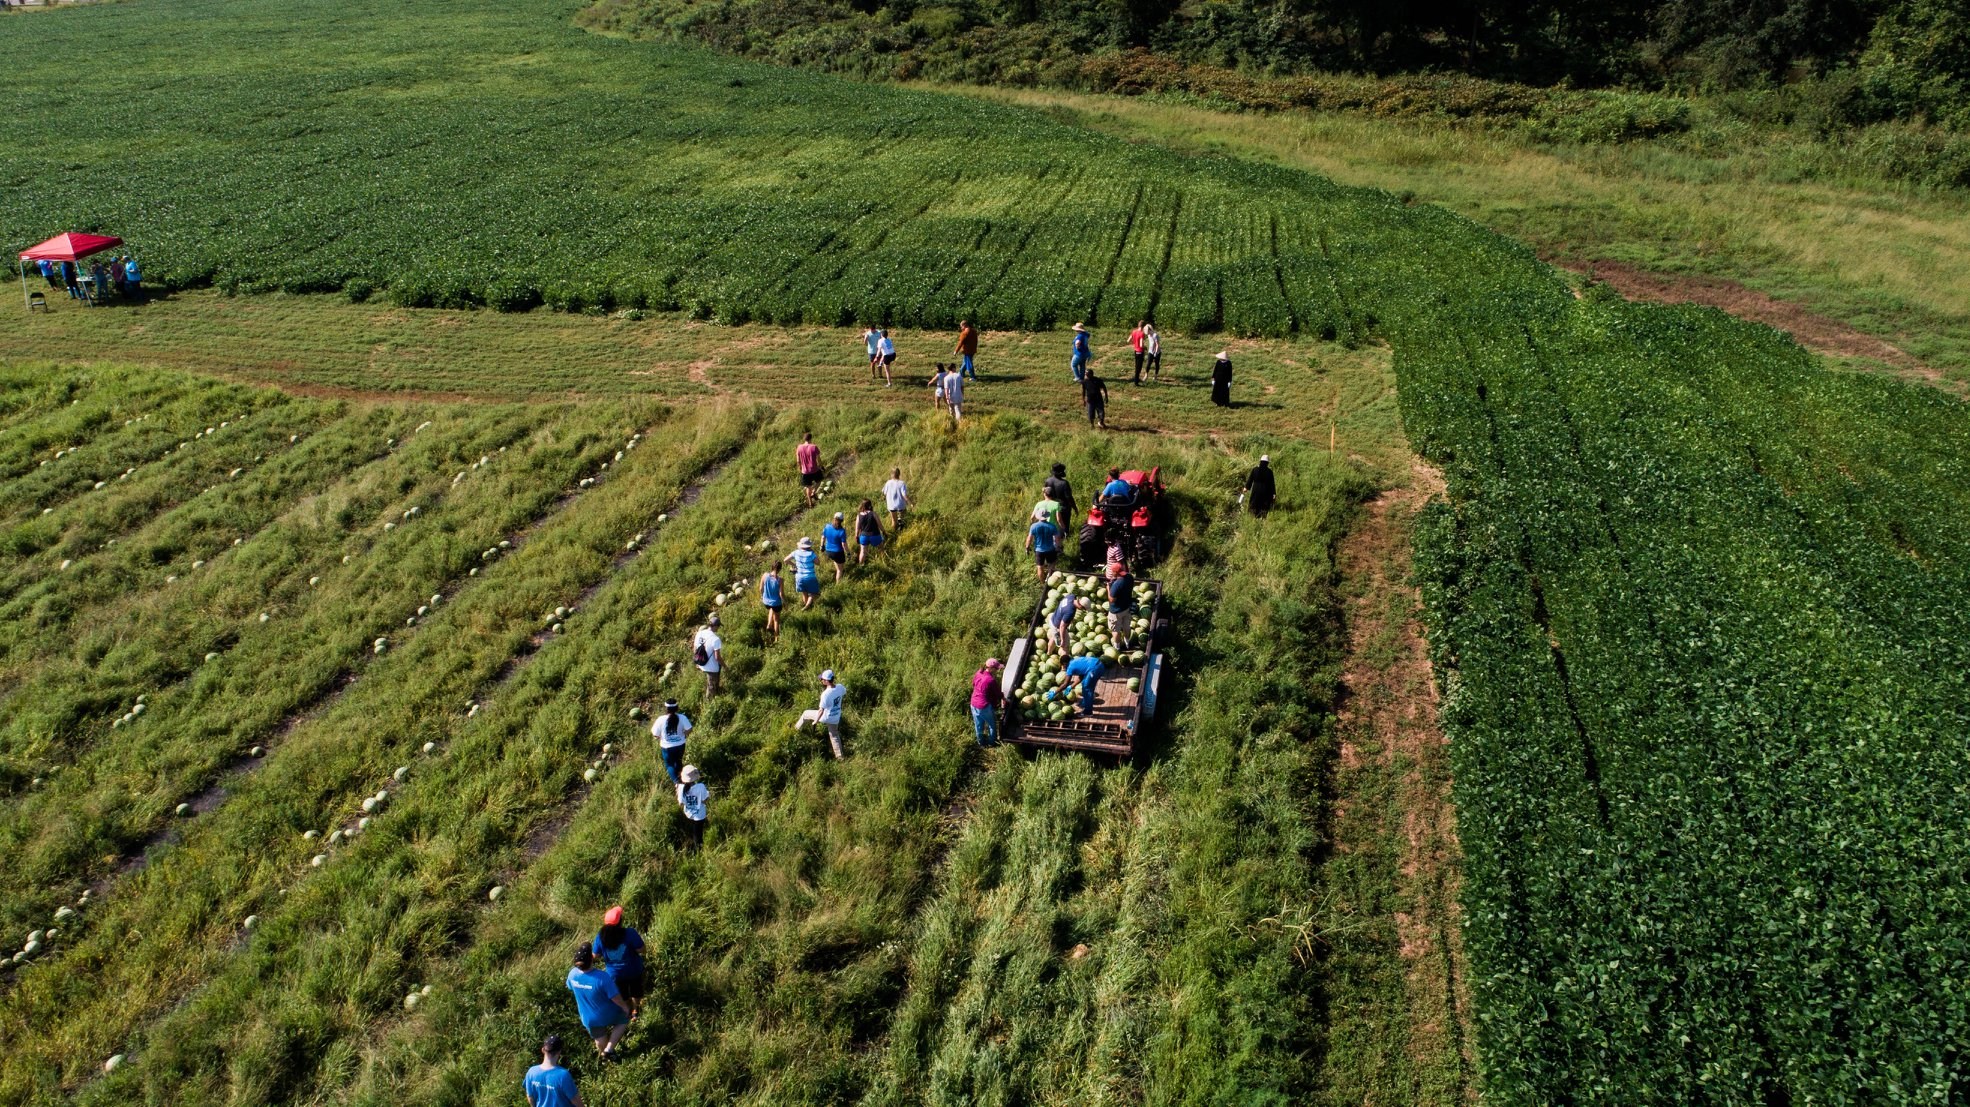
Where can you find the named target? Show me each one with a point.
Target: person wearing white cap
(806, 574)
(1221, 380)
(694, 798)
(1259, 487)
(670, 730)
(828, 713)
(708, 654)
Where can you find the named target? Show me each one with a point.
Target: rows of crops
(1703, 606)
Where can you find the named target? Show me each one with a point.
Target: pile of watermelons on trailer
(1042, 709)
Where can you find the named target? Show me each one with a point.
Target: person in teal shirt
(603, 1013)
(1086, 669)
(806, 577)
(550, 1084)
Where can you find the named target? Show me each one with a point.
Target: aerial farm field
(341, 574)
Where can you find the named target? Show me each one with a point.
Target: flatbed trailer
(1114, 727)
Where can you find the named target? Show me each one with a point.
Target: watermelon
(1135, 684)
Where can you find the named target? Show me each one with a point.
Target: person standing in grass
(621, 949)
(954, 394)
(1056, 488)
(967, 347)
(133, 279)
(986, 696)
(887, 352)
(896, 497)
(1082, 352)
(1094, 397)
(694, 799)
(670, 730)
(1139, 343)
(937, 386)
(1047, 508)
(1221, 379)
(772, 598)
(1152, 344)
(550, 1084)
(1086, 670)
(1259, 487)
(708, 654)
(806, 571)
(1043, 538)
(868, 531)
(827, 713)
(807, 458)
(834, 543)
(603, 1013)
(872, 338)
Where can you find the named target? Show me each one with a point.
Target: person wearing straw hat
(550, 1084)
(806, 577)
(1259, 487)
(1083, 349)
(603, 1012)
(670, 730)
(828, 712)
(621, 948)
(1221, 380)
(986, 696)
(708, 654)
(695, 801)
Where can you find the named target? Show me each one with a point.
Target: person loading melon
(1086, 669)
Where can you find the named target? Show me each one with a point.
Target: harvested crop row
(236, 861)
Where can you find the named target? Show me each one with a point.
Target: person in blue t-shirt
(621, 949)
(834, 543)
(550, 1084)
(772, 597)
(603, 1013)
(1117, 489)
(806, 575)
(1082, 351)
(1087, 670)
(1043, 538)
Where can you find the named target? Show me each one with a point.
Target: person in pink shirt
(808, 456)
(1139, 342)
(986, 696)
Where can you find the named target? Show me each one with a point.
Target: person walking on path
(772, 597)
(1121, 604)
(695, 800)
(886, 354)
(603, 1013)
(550, 1084)
(1152, 345)
(1094, 397)
(868, 532)
(806, 571)
(872, 339)
(954, 394)
(1085, 669)
(621, 949)
(967, 347)
(986, 696)
(1259, 488)
(828, 712)
(670, 730)
(834, 543)
(1043, 538)
(1221, 380)
(708, 654)
(1060, 624)
(1139, 342)
(807, 458)
(1082, 351)
(896, 497)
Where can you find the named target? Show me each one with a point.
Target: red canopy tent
(67, 246)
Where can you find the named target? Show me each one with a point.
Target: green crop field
(328, 611)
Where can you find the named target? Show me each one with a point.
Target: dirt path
(1401, 1008)
(1818, 333)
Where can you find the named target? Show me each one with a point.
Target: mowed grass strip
(168, 926)
(120, 791)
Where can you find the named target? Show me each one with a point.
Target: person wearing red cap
(621, 948)
(986, 696)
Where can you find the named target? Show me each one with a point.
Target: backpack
(699, 655)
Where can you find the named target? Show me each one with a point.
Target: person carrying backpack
(621, 949)
(708, 654)
(670, 730)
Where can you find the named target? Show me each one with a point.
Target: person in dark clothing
(1059, 491)
(1259, 487)
(1094, 397)
(1221, 380)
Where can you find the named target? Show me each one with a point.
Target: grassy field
(1886, 260)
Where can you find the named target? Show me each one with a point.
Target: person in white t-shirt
(954, 395)
(670, 729)
(708, 654)
(695, 799)
(828, 712)
(1152, 345)
(896, 495)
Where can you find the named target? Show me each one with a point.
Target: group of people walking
(117, 278)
